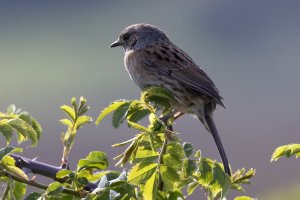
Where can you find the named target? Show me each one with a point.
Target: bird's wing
(173, 62)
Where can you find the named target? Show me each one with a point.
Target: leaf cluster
(287, 151)
(26, 128)
(164, 168)
(76, 119)
(160, 165)
(21, 123)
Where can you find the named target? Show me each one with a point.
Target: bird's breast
(133, 64)
(130, 64)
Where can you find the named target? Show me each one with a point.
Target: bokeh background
(53, 50)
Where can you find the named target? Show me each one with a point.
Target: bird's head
(138, 36)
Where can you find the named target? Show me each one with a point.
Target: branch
(42, 186)
(160, 161)
(5, 193)
(43, 169)
(160, 158)
(36, 167)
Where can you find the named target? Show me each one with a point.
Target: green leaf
(8, 164)
(116, 183)
(145, 155)
(191, 187)
(69, 111)
(120, 114)
(138, 115)
(22, 123)
(150, 189)
(112, 107)
(95, 160)
(176, 195)
(63, 173)
(155, 124)
(82, 178)
(19, 126)
(98, 175)
(198, 154)
(19, 190)
(240, 176)
(33, 196)
(221, 182)
(205, 169)
(83, 108)
(8, 150)
(141, 172)
(99, 194)
(188, 149)
(169, 177)
(172, 161)
(111, 175)
(138, 126)
(159, 96)
(124, 190)
(123, 143)
(160, 195)
(7, 161)
(66, 122)
(82, 100)
(55, 188)
(128, 152)
(82, 120)
(6, 130)
(25, 130)
(237, 187)
(25, 116)
(176, 149)
(243, 198)
(189, 167)
(74, 104)
(286, 150)
(32, 134)
(37, 127)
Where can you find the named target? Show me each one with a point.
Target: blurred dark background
(53, 50)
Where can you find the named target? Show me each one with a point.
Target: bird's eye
(125, 36)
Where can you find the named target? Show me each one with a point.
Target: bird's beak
(115, 44)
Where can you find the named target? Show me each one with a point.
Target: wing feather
(180, 67)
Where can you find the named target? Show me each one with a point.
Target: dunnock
(151, 59)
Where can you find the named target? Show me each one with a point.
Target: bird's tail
(210, 125)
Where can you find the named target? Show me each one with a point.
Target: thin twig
(42, 186)
(160, 159)
(5, 193)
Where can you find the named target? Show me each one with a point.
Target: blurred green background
(53, 50)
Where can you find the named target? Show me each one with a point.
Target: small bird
(151, 59)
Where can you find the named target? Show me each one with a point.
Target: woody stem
(160, 158)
